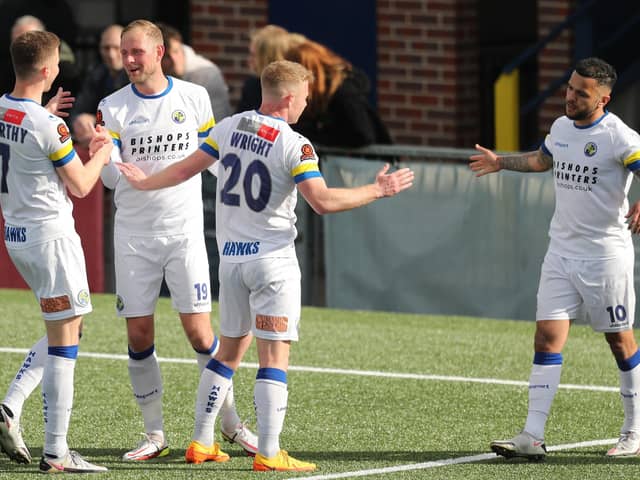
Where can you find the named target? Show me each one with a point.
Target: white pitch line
(449, 461)
(341, 371)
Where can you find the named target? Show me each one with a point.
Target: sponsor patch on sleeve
(307, 152)
(55, 304)
(269, 323)
(64, 133)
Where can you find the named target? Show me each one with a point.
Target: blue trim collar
(157, 95)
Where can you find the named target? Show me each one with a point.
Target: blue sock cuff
(70, 351)
(630, 363)
(546, 358)
(220, 368)
(211, 349)
(272, 374)
(141, 355)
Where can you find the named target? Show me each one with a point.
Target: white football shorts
(56, 272)
(142, 262)
(604, 289)
(261, 296)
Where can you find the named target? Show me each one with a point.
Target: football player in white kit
(156, 121)
(262, 161)
(590, 258)
(39, 164)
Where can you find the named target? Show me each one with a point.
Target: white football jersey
(154, 131)
(34, 200)
(260, 161)
(592, 167)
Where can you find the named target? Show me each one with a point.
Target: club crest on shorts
(119, 303)
(82, 298)
(178, 116)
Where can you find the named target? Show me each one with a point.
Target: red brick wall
(426, 70)
(220, 31)
(553, 60)
(428, 91)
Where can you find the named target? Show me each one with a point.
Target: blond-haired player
(261, 163)
(156, 121)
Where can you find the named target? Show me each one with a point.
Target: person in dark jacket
(339, 112)
(266, 45)
(103, 79)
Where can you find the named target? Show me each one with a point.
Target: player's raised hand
(106, 146)
(99, 137)
(393, 183)
(633, 218)
(133, 174)
(484, 162)
(60, 102)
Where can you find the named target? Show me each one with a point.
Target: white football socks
(27, 379)
(630, 394)
(146, 382)
(212, 390)
(229, 418)
(270, 397)
(543, 385)
(57, 397)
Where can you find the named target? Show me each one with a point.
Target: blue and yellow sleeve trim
(210, 147)
(305, 171)
(63, 156)
(116, 139)
(632, 162)
(204, 130)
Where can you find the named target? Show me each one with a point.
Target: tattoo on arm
(517, 163)
(545, 162)
(535, 161)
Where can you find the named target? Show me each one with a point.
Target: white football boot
(151, 446)
(11, 441)
(243, 437)
(72, 462)
(522, 445)
(628, 446)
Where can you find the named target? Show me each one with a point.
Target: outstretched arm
(329, 200)
(172, 175)
(488, 162)
(80, 178)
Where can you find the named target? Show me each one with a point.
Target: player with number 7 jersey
(33, 141)
(39, 164)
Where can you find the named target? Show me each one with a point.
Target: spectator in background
(101, 80)
(183, 62)
(267, 44)
(69, 77)
(339, 112)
